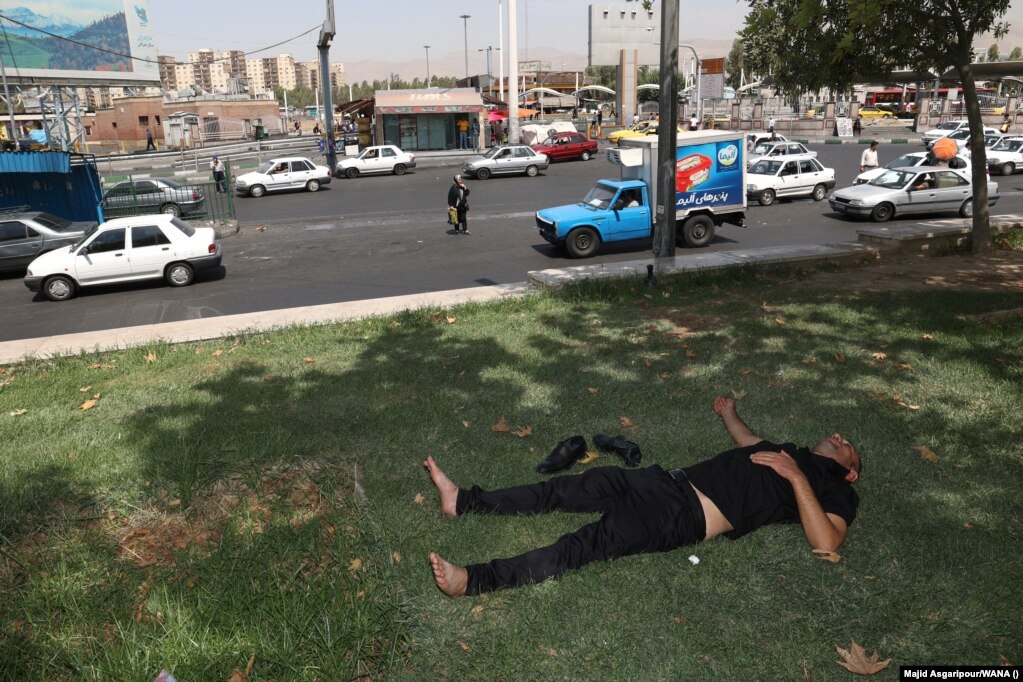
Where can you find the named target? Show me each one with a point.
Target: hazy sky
(397, 30)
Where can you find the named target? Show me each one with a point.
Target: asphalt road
(385, 236)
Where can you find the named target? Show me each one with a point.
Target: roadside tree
(842, 42)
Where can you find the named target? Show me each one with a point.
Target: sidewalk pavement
(932, 237)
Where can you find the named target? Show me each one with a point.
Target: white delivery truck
(710, 189)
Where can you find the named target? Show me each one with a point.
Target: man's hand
(780, 462)
(724, 405)
(822, 530)
(740, 433)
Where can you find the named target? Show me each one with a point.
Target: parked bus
(901, 100)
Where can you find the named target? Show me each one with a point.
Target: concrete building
(337, 74)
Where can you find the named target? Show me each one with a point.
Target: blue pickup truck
(710, 189)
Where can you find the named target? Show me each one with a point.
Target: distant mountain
(109, 33)
(53, 23)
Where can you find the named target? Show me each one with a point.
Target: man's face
(842, 451)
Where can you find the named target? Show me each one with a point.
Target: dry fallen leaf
(465, 647)
(85, 389)
(501, 426)
(779, 321)
(217, 353)
(19, 412)
(593, 391)
(880, 357)
(88, 404)
(904, 365)
(690, 354)
(856, 660)
(827, 555)
(465, 423)
(897, 399)
(665, 375)
(523, 431)
(927, 337)
(926, 454)
(809, 360)
(590, 457)
(396, 555)
(626, 422)
(450, 320)
(308, 360)
(738, 395)
(150, 356)
(839, 357)
(238, 676)
(261, 228)
(355, 566)
(419, 499)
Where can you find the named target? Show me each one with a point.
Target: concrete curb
(247, 323)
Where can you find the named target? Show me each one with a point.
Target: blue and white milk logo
(728, 157)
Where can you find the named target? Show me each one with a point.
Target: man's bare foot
(451, 579)
(445, 487)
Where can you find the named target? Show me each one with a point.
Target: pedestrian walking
(150, 143)
(458, 199)
(475, 133)
(868, 160)
(219, 174)
(694, 122)
(298, 128)
(770, 125)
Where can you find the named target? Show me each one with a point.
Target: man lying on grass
(653, 510)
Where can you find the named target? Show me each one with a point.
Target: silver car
(509, 158)
(27, 234)
(911, 191)
(140, 197)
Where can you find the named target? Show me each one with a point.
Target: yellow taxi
(875, 112)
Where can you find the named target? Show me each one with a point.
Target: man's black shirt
(752, 495)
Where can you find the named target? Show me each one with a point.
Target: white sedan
(384, 158)
(788, 176)
(276, 175)
(907, 161)
(124, 250)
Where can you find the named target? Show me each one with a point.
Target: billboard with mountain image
(87, 40)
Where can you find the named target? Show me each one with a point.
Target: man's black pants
(644, 510)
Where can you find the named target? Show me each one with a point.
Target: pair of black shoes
(571, 450)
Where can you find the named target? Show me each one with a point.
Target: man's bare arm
(737, 429)
(822, 530)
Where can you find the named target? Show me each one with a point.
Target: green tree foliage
(1016, 54)
(842, 42)
(992, 53)
(735, 64)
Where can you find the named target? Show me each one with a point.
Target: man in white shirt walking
(868, 160)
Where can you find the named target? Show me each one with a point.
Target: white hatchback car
(276, 175)
(788, 176)
(767, 148)
(384, 158)
(125, 250)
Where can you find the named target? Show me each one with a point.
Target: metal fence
(190, 200)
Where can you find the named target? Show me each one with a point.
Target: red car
(567, 146)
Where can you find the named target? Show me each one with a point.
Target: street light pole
(427, 47)
(465, 25)
(490, 51)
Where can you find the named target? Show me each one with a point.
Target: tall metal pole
(664, 210)
(427, 47)
(323, 47)
(465, 24)
(500, 44)
(10, 103)
(513, 75)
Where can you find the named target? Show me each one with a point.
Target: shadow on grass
(372, 399)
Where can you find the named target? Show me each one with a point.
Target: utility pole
(465, 25)
(427, 47)
(323, 47)
(664, 210)
(513, 74)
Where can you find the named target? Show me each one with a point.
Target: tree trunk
(978, 162)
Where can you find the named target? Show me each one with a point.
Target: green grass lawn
(263, 494)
